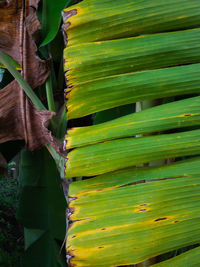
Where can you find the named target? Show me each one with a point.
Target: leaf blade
(122, 153)
(119, 225)
(173, 115)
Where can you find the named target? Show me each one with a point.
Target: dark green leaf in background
(41, 209)
(51, 18)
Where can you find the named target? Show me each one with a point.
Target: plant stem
(62, 125)
(60, 161)
(24, 85)
(49, 93)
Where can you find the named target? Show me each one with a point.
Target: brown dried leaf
(19, 27)
(15, 124)
(19, 119)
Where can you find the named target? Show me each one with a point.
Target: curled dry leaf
(29, 125)
(19, 27)
(19, 119)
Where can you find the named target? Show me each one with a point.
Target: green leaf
(104, 93)
(117, 55)
(164, 117)
(189, 258)
(123, 177)
(101, 59)
(43, 252)
(31, 236)
(51, 18)
(14, 63)
(62, 125)
(41, 208)
(121, 153)
(96, 20)
(87, 94)
(25, 86)
(153, 211)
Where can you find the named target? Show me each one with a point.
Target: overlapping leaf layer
(118, 54)
(129, 216)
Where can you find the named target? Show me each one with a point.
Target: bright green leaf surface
(127, 216)
(104, 93)
(118, 154)
(95, 60)
(153, 211)
(169, 116)
(136, 174)
(96, 20)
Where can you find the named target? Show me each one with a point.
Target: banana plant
(137, 198)
(31, 94)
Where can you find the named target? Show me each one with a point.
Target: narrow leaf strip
(168, 116)
(14, 63)
(105, 93)
(135, 175)
(24, 85)
(113, 155)
(90, 61)
(88, 21)
(189, 258)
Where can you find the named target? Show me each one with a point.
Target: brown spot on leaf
(142, 210)
(103, 229)
(176, 221)
(187, 115)
(143, 204)
(134, 183)
(100, 247)
(160, 219)
(73, 236)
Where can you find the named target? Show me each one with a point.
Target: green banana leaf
(154, 51)
(116, 60)
(118, 154)
(173, 115)
(41, 210)
(117, 54)
(51, 18)
(190, 258)
(94, 20)
(14, 63)
(151, 211)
